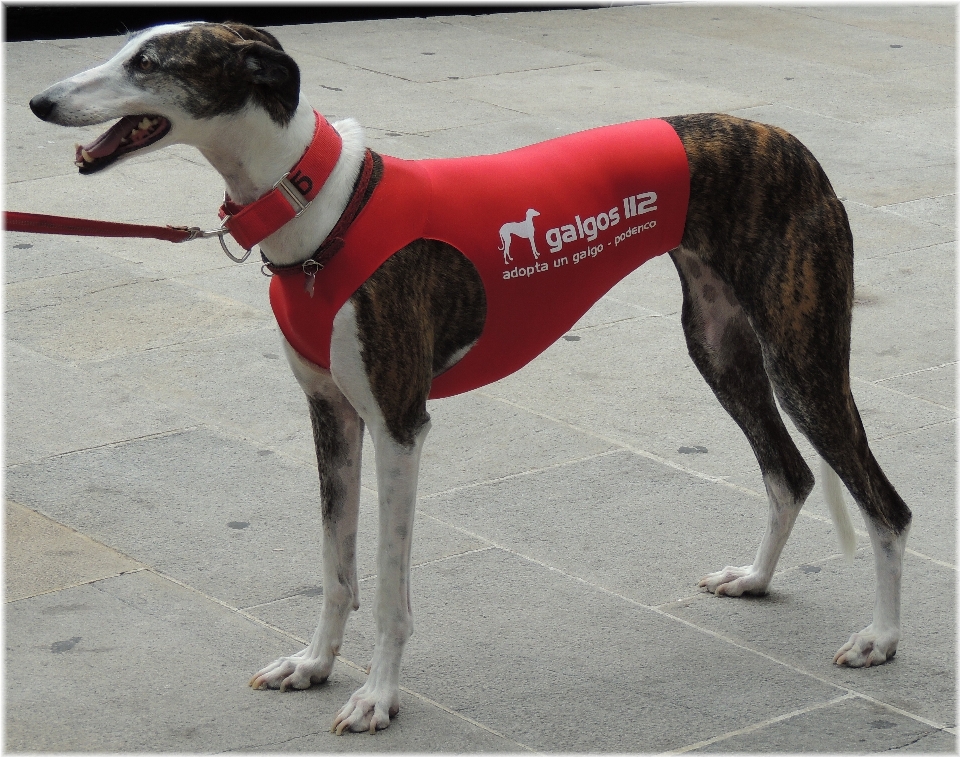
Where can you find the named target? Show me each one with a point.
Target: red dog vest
(550, 228)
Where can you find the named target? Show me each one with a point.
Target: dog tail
(833, 493)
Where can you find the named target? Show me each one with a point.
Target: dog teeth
(142, 130)
(86, 156)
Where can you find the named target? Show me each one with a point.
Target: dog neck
(252, 152)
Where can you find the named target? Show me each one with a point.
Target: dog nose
(41, 107)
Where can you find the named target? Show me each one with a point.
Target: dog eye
(144, 64)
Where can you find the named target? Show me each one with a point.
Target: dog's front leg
(338, 434)
(398, 439)
(371, 707)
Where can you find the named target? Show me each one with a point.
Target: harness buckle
(292, 194)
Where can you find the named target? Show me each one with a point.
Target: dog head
(166, 79)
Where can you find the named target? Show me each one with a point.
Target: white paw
(297, 671)
(734, 582)
(868, 648)
(369, 709)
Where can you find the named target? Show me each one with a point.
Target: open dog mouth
(129, 134)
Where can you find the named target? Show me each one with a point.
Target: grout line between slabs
(77, 585)
(763, 724)
(520, 474)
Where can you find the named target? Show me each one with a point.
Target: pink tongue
(109, 141)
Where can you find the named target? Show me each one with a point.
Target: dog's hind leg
(817, 396)
(763, 215)
(338, 435)
(725, 349)
(802, 318)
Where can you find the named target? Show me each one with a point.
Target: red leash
(38, 223)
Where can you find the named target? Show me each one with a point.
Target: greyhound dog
(762, 247)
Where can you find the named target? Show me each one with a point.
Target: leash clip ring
(221, 232)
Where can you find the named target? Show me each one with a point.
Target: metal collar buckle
(292, 194)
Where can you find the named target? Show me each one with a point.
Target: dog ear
(275, 77)
(252, 34)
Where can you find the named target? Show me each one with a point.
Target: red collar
(250, 224)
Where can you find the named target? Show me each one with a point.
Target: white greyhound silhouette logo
(523, 229)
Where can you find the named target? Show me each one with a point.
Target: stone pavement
(162, 528)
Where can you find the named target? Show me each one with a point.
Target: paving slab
(38, 426)
(226, 279)
(603, 388)
(43, 556)
(340, 91)
(877, 232)
(94, 315)
(940, 210)
(934, 125)
(261, 401)
(885, 343)
(917, 461)
(31, 256)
